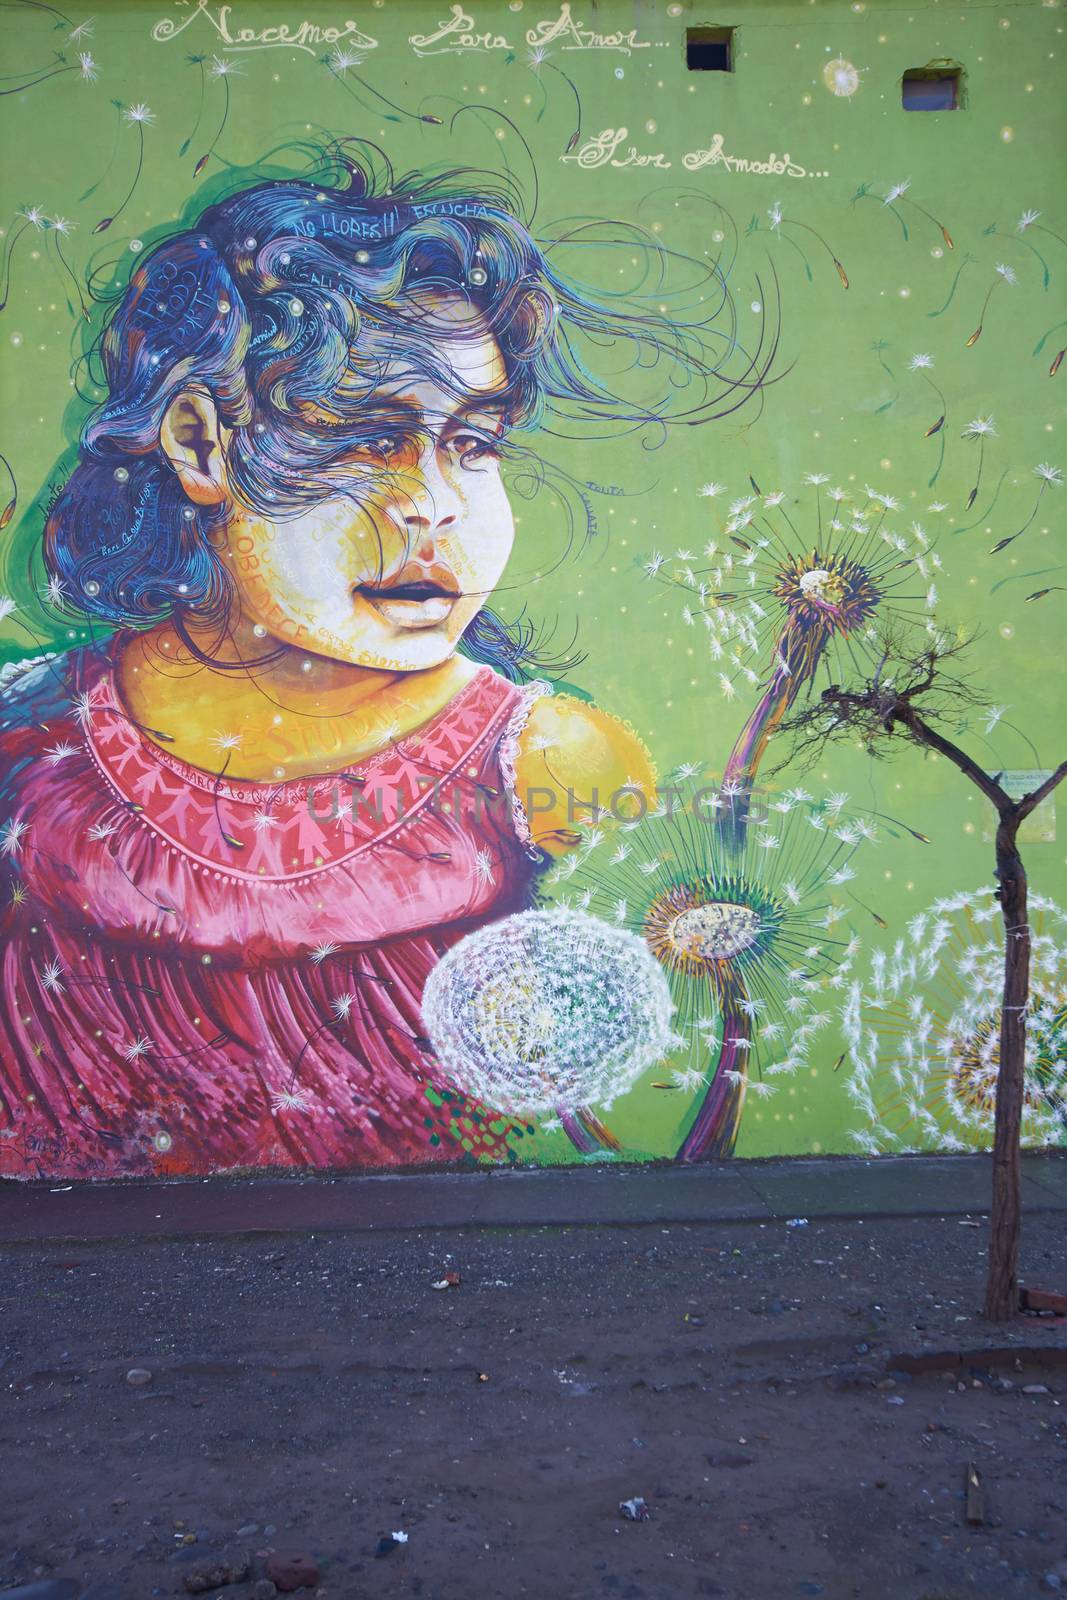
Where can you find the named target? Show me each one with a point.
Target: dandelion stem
(714, 1129)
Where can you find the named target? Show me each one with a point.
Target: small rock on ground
(216, 1573)
(290, 1570)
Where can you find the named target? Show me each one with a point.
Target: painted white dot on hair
(259, 427)
(189, 513)
(296, 307)
(285, 259)
(91, 586)
(250, 243)
(121, 475)
(478, 276)
(259, 630)
(223, 306)
(136, 244)
(362, 256)
(183, 588)
(305, 666)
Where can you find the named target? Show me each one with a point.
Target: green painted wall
(866, 243)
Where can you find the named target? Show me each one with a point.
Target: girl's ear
(194, 443)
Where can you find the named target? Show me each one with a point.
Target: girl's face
(391, 578)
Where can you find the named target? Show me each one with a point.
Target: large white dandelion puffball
(547, 1011)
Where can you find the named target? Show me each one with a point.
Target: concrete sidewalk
(734, 1191)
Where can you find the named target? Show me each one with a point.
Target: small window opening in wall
(931, 89)
(709, 49)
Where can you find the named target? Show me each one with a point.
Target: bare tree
(918, 689)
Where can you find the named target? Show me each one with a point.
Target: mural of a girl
(241, 828)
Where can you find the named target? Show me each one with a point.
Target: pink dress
(200, 975)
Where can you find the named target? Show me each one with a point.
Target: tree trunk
(1001, 1287)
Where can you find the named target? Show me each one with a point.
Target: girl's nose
(430, 504)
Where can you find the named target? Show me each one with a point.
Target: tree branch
(921, 730)
(1042, 792)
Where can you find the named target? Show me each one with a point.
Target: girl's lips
(410, 605)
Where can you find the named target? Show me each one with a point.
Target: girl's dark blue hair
(281, 301)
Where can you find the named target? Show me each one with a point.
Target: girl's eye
(474, 446)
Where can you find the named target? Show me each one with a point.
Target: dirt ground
(316, 1393)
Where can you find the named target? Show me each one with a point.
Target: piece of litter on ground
(635, 1510)
(797, 1222)
(399, 1536)
(975, 1496)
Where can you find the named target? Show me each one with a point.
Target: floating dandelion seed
(55, 753)
(923, 1029)
(229, 742)
(1050, 478)
(736, 934)
(139, 117)
(323, 951)
(981, 429)
(86, 67)
(537, 59)
(342, 62)
(51, 977)
(547, 1011)
(61, 230)
(1004, 274)
(84, 30)
(899, 192)
(289, 1100)
(33, 217)
(11, 836)
(791, 222)
(710, 490)
(221, 69)
(923, 365)
(1027, 220)
(1016, 238)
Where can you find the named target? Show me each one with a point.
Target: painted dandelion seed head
(779, 586)
(690, 931)
(547, 1011)
(924, 1030)
(734, 934)
(833, 591)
